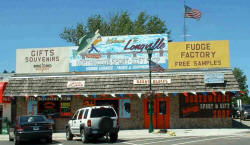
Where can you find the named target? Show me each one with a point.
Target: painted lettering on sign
(198, 54)
(158, 44)
(205, 106)
(75, 84)
(153, 81)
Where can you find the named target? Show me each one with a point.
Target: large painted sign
(42, 60)
(120, 53)
(205, 106)
(199, 54)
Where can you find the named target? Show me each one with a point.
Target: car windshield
(32, 119)
(99, 112)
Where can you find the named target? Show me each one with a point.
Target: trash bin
(5, 125)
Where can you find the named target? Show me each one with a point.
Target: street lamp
(150, 52)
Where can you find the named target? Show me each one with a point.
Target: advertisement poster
(42, 60)
(124, 108)
(32, 107)
(205, 106)
(120, 53)
(199, 54)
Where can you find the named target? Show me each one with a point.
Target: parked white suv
(93, 122)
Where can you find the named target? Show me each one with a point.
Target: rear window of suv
(32, 119)
(100, 112)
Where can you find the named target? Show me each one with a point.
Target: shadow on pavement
(38, 143)
(101, 141)
(238, 124)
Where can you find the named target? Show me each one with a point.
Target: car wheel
(69, 135)
(83, 137)
(49, 139)
(17, 142)
(10, 138)
(113, 137)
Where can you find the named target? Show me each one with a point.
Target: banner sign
(32, 107)
(199, 54)
(153, 81)
(205, 106)
(120, 53)
(124, 108)
(212, 78)
(42, 60)
(75, 84)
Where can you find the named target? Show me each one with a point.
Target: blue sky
(38, 23)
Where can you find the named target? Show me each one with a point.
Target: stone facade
(21, 108)
(136, 121)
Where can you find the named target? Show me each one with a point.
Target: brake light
(19, 128)
(89, 123)
(49, 126)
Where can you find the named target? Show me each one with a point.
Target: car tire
(69, 135)
(49, 139)
(105, 124)
(17, 142)
(11, 139)
(83, 137)
(113, 137)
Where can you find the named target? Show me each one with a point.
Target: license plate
(94, 131)
(35, 128)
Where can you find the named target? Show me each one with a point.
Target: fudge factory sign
(199, 54)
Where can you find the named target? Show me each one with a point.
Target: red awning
(2, 87)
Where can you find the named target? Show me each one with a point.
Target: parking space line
(188, 141)
(169, 139)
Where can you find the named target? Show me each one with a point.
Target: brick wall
(21, 106)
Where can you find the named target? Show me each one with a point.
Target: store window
(148, 107)
(54, 106)
(162, 107)
(65, 108)
(49, 108)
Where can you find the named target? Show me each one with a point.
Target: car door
(79, 122)
(73, 122)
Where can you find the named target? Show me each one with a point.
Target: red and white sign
(153, 81)
(75, 84)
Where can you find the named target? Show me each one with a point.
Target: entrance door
(160, 113)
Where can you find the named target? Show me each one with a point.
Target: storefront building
(190, 93)
(5, 101)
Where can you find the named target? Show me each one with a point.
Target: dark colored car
(31, 127)
(236, 112)
(245, 112)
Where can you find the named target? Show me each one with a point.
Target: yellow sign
(198, 54)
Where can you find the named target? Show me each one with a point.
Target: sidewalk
(143, 133)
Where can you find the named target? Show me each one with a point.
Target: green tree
(242, 81)
(5, 72)
(117, 24)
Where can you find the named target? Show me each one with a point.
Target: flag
(156, 67)
(85, 43)
(192, 13)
